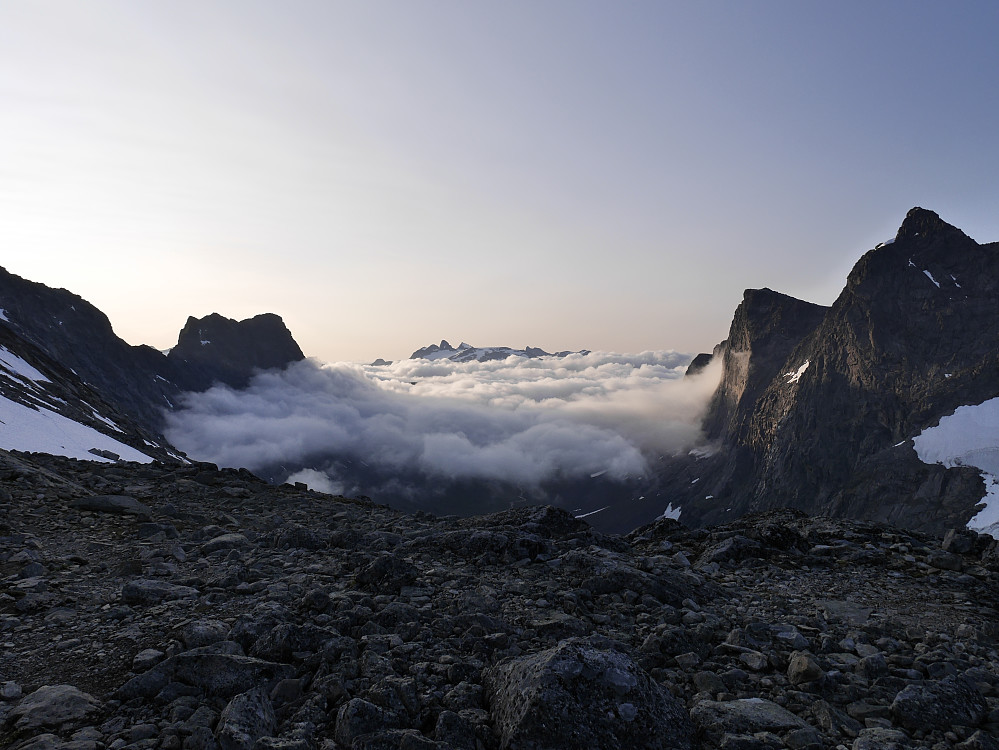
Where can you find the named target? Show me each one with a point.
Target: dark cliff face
(139, 381)
(824, 423)
(74, 333)
(217, 349)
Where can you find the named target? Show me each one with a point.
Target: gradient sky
(559, 173)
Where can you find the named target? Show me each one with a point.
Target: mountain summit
(218, 349)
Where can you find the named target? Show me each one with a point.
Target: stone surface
(940, 705)
(119, 504)
(392, 630)
(582, 694)
(54, 707)
(247, 717)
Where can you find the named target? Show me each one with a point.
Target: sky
(565, 174)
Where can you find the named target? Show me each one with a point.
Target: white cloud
(519, 420)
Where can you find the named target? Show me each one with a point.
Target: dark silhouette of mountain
(217, 349)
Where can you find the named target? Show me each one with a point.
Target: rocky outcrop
(245, 615)
(817, 407)
(217, 349)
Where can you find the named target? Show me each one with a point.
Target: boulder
(122, 505)
(247, 717)
(583, 693)
(54, 707)
(745, 716)
(940, 705)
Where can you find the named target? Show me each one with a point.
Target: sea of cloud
(518, 420)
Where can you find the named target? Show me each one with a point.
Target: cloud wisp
(522, 421)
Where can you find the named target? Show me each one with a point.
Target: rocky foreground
(156, 606)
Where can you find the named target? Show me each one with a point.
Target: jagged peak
(921, 222)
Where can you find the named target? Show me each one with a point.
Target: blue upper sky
(564, 174)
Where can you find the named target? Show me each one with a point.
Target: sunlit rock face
(825, 423)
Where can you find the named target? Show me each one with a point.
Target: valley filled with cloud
(349, 428)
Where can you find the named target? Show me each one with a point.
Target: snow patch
(593, 512)
(19, 367)
(794, 377)
(670, 512)
(107, 421)
(596, 474)
(3, 316)
(969, 437)
(930, 277)
(44, 431)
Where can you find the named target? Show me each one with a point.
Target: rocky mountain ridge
(817, 407)
(183, 607)
(137, 383)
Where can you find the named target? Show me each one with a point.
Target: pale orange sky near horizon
(565, 175)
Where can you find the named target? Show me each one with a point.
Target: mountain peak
(921, 222)
(219, 348)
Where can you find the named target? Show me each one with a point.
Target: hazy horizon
(564, 175)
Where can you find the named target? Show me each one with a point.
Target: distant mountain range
(468, 353)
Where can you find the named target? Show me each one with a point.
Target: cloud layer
(519, 420)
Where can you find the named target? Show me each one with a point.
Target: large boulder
(940, 705)
(247, 717)
(583, 693)
(54, 707)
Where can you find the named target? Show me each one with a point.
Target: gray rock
(357, 718)
(979, 741)
(944, 560)
(248, 717)
(745, 716)
(881, 739)
(10, 691)
(204, 633)
(115, 504)
(53, 707)
(582, 693)
(940, 705)
(147, 658)
(803, 667)
(735, 547)
(224, 675)
(146, 591)
(224, 541)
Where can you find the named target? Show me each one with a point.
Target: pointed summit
(921, 222)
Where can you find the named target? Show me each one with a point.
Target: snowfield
(969, 437)
(42, 431)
